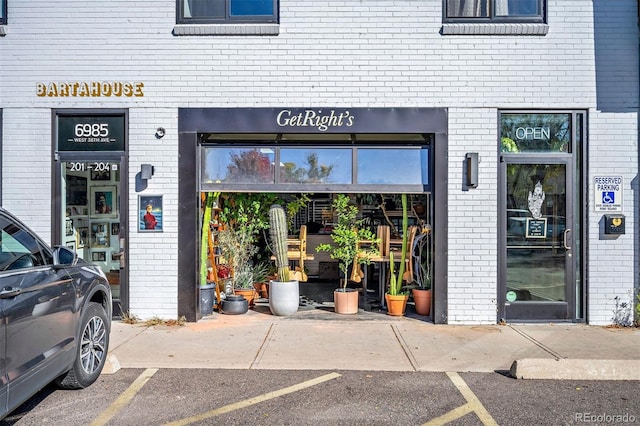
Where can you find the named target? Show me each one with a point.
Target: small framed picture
(115, 228)
(99, 256)
(103, 201)
(100, 235)
(101, 174)
(150, 216)
(82, 237)
(68, 227)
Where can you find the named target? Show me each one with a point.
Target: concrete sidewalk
(323, 340)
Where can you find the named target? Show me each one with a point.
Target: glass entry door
(538, 244)
(92, 217)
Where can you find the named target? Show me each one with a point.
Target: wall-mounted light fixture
(146, 171)
(471, 168)
(160, 132)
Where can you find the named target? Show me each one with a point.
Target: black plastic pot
(235, 304)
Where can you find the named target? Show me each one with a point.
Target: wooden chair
(297, 252)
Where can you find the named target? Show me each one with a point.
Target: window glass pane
(535, 132)
(313, 165)
(517, 8)
(391, 166)
(18, 248)
(251, 7)
(204, 8)
(238, 165)
(467, 8)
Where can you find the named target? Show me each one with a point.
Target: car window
(18, 248)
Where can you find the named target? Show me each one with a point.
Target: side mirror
(64, 256)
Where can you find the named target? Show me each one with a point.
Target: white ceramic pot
(284, 297)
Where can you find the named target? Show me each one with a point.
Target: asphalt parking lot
(310, 397)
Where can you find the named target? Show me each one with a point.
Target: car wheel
(91, 352)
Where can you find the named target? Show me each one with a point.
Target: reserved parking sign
(607, 193)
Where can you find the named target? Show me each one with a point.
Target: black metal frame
(228, 19)
(542, 4)
(3, 9)
(190, 125)
(575, 161)
(123, 190)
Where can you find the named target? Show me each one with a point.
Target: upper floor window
(3, 12)
(495, 10)
(227, 11)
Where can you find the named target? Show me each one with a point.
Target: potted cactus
(284, 293)
(396, 297)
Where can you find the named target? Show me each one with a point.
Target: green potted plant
(397, 296)
(261, 272)
(346, 236)
(236, 250)
(206, 289)
(284, 293)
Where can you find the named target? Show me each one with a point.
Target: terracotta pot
(262, 289)
(345, 301)
(396, 305)
(422, 300)
(248, 294)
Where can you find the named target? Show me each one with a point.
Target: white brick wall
(378, 53)
(473, 218)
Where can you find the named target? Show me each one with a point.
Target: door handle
(9, 292)
(564, 239)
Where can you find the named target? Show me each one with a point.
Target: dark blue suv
(55, 316)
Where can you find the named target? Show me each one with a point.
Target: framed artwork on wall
(100, 236)
(150, 213)
(82, 238)
(103, 201)
(101, 174)
(99, 256)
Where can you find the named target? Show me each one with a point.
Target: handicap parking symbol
(608, 197)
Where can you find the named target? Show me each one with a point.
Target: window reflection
(390, 166)
(238, 165)
(313, 165)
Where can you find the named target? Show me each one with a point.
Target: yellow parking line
(125, 398)
(452, 415)
(473, 405)
(255, 400)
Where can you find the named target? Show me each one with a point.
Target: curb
(111, 365)
(575, 369)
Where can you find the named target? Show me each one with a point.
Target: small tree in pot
(284, 294)
(346, 236)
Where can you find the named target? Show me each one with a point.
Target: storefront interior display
(311, 220)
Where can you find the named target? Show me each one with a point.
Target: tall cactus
(278, 234)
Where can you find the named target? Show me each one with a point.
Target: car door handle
(9, 292)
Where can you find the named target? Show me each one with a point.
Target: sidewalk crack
(539, 344)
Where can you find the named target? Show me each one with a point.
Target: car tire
(91, 352)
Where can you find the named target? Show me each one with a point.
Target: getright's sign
(312, 120)
(317, 119)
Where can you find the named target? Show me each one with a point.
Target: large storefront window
(377, 169)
